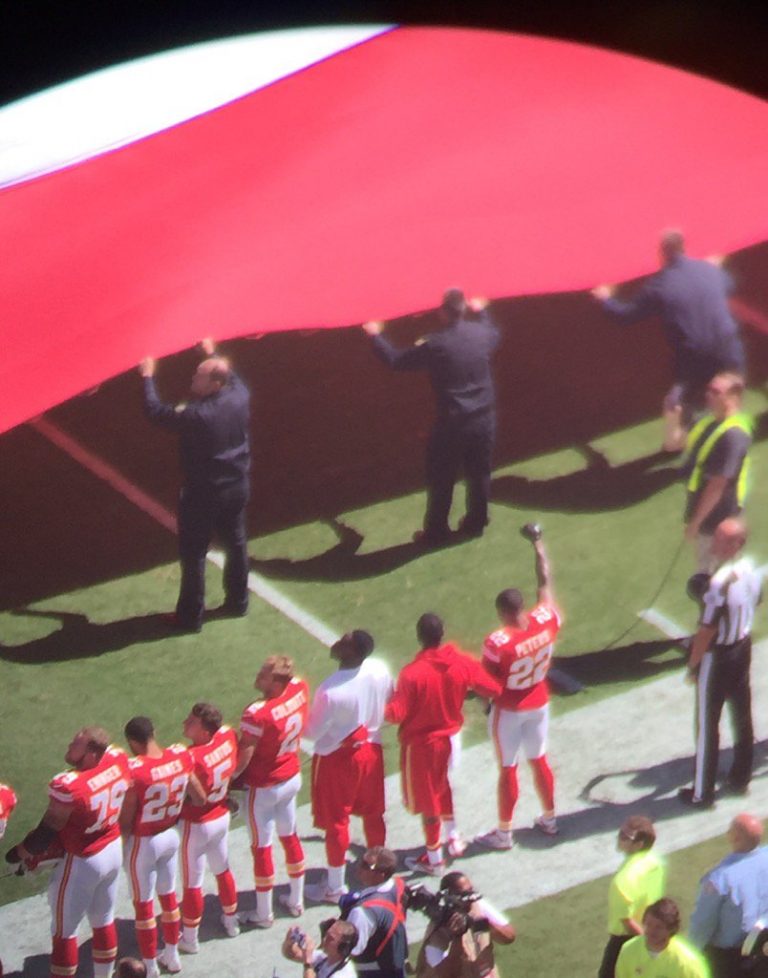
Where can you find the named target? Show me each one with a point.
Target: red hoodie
(431, 690)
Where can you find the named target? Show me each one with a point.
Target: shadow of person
(342, 562)
(80, 638)
(598, 486)
(633, 661)
(613, 795)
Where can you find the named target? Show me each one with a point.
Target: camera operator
(378, 913)
(459, 943)
(338, 937)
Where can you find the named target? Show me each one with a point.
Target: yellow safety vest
(699, 449)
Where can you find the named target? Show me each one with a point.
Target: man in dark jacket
(215, 459)
(458, 359)
(691, 298)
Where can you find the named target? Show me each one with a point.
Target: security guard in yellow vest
(716, 464)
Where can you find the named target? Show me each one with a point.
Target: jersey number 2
(291, 734)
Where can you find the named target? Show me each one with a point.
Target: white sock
(264, 903)
(190, 934)
(435, 856)
(103, 969)
(335, 878)
(297, 890)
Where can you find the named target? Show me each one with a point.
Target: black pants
(611, 954)
(727, 962)
(723, 678)
(201, 514)
(455, 445)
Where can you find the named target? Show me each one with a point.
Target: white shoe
(495, 839)
(252, 917)
(547, 825)
(456, 846)
(168, 959)
(294, 909)
(230, 924)
(188, 947)
(421, 864)
(320, 893)
(152, 970)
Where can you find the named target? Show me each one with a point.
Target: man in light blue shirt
(732, 897)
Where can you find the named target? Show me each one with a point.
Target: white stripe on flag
(118, 105)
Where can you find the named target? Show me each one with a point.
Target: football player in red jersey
(83, 811)
(268, 757)
(150, 812)
(519, 655)
(428, 704)
(7, 805)
(205, 819)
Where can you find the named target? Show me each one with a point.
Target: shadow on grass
(79, 638)
(613, 796)
(342, 562)
(634, 661)
(596, 487)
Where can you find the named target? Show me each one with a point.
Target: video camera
(441, 906)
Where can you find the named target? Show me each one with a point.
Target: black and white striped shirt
(729, 603)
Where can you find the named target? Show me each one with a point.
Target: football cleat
(294, 909)
(456, 846)
(421, 864)
(546, 824)
(321, 892)
(168, 959)
(231, 924)
(188, 946)
(495, 839)
(252, 917)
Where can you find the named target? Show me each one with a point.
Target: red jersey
(277, 724)
(95, 798)
(160, 784)
(521, 657)
(429, 699)
(7, 805)
(214, 763)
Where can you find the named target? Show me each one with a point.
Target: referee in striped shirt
(719, 664)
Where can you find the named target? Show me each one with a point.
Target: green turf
(565, 934)
(100, 654)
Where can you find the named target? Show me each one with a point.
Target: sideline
(604, 771)
(257, 584)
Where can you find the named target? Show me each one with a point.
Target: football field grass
(88, 645)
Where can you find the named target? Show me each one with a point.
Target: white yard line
(669, 627)
(604, 771)
(257, 584)
(665, 625)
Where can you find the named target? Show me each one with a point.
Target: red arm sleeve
(398, 707)
(483, 680)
